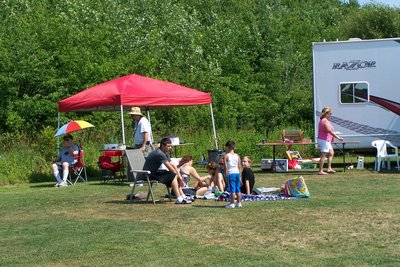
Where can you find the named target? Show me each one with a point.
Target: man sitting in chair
(170, 178)
(66, 158)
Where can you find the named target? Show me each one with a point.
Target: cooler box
(215, 154)
(281, 165)
(111, 146)
(174, 140)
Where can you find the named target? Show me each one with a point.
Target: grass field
(351, 219)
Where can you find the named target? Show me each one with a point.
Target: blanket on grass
(227, 197)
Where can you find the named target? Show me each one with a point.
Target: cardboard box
(281, 165)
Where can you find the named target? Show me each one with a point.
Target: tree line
(254, 56)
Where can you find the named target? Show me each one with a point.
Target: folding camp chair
(111, 170)
(293, 135)
(77, 171)
(136, 161)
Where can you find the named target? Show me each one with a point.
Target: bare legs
(329, 155)
(175, 186)
(233, 197)
(232, 204)
(221, 183)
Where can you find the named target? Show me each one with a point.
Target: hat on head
(68, 136)
(135, 111)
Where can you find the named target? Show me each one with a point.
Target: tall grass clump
(27, 158)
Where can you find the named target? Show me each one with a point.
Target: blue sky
(393, 3)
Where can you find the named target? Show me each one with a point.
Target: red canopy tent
(135, 90)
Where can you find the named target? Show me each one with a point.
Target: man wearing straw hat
(143, 137)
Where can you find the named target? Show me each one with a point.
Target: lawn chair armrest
(141, 171)
(396, 149)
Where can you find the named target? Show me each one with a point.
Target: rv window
(354, 92)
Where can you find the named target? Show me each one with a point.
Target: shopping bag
(297, 187)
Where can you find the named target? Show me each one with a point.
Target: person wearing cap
(326, 136)
(143, 136)
(65, 158)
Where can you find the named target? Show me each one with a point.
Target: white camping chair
(382, 154)
(136, 161)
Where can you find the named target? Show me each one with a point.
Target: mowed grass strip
(352, 219)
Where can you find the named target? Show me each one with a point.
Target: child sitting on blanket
(247, 176)
(216, 178)
(187, 171)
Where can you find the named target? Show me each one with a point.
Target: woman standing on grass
(326, 136)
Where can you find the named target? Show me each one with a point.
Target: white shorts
(324, 146)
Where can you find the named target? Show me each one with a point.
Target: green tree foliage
(373, 21)
(253, 56)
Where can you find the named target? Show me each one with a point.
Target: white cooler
(111, 146)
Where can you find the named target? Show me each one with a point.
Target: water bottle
(217, 193)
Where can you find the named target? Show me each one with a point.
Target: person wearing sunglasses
(326, 136)
(65, 158)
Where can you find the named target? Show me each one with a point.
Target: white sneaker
(238, 205)
(184, 201)
(137, 185)
(191, 198)
(62, 184)
(230, 206)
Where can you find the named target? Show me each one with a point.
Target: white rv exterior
(360, 81)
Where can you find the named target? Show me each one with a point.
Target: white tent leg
(123, 125)
(213, 124)
(58, 127)
(151, 131)
(148, 116)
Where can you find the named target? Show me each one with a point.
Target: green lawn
(351, 219)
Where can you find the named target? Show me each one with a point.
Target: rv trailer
(360, 81)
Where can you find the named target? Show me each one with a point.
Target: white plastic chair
(382, 153)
